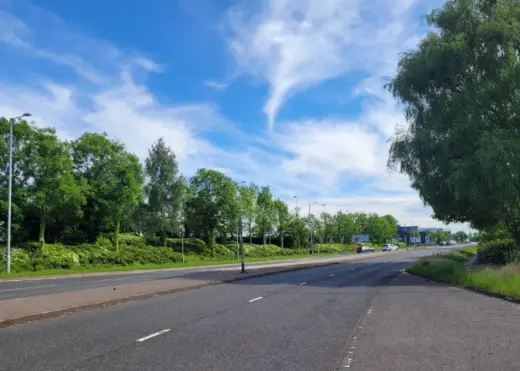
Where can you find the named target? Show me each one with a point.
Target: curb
(109, 303)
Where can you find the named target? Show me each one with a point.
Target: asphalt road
(11, 289)
(364, 315)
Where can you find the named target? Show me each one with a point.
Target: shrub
(499, 252)
(104, 242)
(20, 259)
(131, 239)
(191, 245)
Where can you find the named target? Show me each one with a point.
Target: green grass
(188, 264)
(449, 268)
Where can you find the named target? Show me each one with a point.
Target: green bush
(401, 245)
(498, 252)
(130, 239)
(20, 259)
(104, 243)
(191, 245)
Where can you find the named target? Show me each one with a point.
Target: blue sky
(281, 92)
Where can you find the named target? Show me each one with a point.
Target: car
(361, 249)
(443, 243)
(390, 247)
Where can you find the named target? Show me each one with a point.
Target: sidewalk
(39, 307)
(415, 324)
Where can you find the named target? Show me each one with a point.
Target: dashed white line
(303, 283)
(255, 299)
(153, 335)
(331, 275)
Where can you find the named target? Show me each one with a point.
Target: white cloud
(296, 44)
(215, 85)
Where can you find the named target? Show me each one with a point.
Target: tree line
(460, 89)
(72, 192)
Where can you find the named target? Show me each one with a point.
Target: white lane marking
(303, 283)
(153, 335)
(331, 275)
(255, 299)
(25, 288)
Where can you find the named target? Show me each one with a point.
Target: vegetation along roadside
(496, 271)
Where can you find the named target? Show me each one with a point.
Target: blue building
(406, 234)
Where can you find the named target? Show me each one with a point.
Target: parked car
(390, 247)
(361, 249)
(443, 243)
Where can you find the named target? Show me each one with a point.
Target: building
(415, 235)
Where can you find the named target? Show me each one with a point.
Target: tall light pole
(296, 208)
(310, 227)
(239, 230)
(10, 188)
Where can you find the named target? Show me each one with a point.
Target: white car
(390, 247)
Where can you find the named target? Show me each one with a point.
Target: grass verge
(137, 267)
(449, 268)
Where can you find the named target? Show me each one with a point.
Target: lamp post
(240, 234)
(10, 188)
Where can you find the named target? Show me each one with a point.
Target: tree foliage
(461, 93)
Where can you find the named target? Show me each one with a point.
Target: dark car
(361, 249)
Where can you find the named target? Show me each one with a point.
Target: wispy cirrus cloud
(296, 45)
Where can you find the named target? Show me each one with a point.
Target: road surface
(363, 315)
(10, 289)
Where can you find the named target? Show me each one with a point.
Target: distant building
(358, 238)
(407, 235)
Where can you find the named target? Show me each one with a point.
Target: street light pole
(240, 233)
(10, 188)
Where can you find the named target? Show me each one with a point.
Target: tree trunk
(281, 237)
(116, 234)
(250, 234)
(41, 236)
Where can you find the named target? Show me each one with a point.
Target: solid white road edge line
(255, 299)
(153, 335)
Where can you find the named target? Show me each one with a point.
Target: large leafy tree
(461, 93)
(52, 188)
(211, 192)
(282, 218)
(163, 191)
(248, 196)
(111, 179)
(23, 136)
(264, 216)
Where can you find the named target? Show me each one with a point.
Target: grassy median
(449, 268)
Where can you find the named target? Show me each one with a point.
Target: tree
(163, 190)
(210, 192)
(345, 226)
(52, 189)
(248, 196)
(23, 135)
(264, 217)
(461, 95)
(111, 180)
(282, 217)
